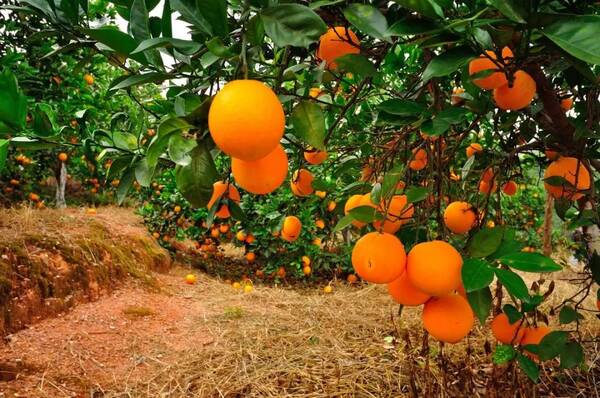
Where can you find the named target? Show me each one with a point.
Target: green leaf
(144, 172)
(513, 283)
(416, 194)
(138, 20)
(356, 64)
(577, 35)
(125, 141)
(481, 303)
(503, 354)
(44, 121)
(485, 242)
(365, 214)
(31, 144)
(190, 10)
(159, 145)
(255, 31)
(292, 25)
(3, 153)
(179, 149)
(136, 80)
(409, 27)
(512, 9)
(476, 274)
(551, 345)
(343, 223)
(401, 107)
(530, 262)
(183, 46)
(215, 12)
(529, 367)
(448, 62)
(121, 42)
(368, 19)
(125, 184)
(13, 104)
(195, 181)
(308, 124)
(218, 48)
(167, 29)
(568, 315)
(428, 8)
(512, 313)
(571, 355)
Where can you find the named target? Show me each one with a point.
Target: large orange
(336, 42)
(261, 176)
(534, 336)
(418, 160)
(315, 156)
(459, 217)
(448, 318)
(246, 120)
(399, 212)
(357, 201)
(379, 257)
(290, 230)
(473, 149)
(496, 79)
(517, 96)
(301, 183)
(219, 189)
(403, 292)
(506, 332)
(434, 267)
(510, 188)
(574, 172)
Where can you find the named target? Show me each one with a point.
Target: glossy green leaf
(367, 19)
(144, 172)
(448, 62)
(183, 46)
(530, 368)
(125, 184)
(485, 242)
(136, 80)
(3, 152)
(292, 25)
(551, 345)
(512, 9)
(167, 28)
(13, 104)
(401, 107)
(195, 181)
(513, 283)
(530, 262)
(568, 314)
(476, 274)
(577, 35)
(120, 42)
(179, 149)
(428, 8)
(481, 303)
(571, 355)
(512, 313)
(416, 194)
(44, 120)
(356, 64)
(190, 11)
(308, 124)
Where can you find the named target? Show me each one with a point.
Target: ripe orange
(190, 279)
(177, 209)
(496, 79)
(566, 103)
(331, 206)
(352, 278)
(236, 285)
(291, 228)
(328, 289)
(473, 149)
(223, 228)
(301, 183)
(89, 79)
(315, 156)
(534, 336)
(403, 292)
(321, 194)
(63, 157)
(357, 201)
(250, 257)
(315, 92)
(14, 182)
(317, 242)
(418, 160)
(34, 197)
(305, 260)
(517, 96)
(574, 172)
(459, 217)
(261, 176)
(306, 270)
(250, 239)
(219, 189)
(320, 224)
(448, 318)
(246, 120)
(336, 42)
(379, 257)
(434, 267)
(214, 232)
(248, 288)
(399, 212)
(505, 332)
(550, 154)
(241, 236)
(281, 272)
(155, 235)
(510, 188)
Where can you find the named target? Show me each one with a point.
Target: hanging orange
(301, 183)
(518, 95)
(448, 318)
(337, 42)
(261, 176)
(219, 189)
(574, 172)
(379, 257)
(459, 217)
(418, 160)
(315, 156)
(290, 231)
(434, 267)
(404, 292)
(496, 79)
(399, 212)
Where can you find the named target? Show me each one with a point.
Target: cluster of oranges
(23, 160)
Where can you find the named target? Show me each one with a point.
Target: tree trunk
(61, 183)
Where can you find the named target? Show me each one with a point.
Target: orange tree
(431, 113)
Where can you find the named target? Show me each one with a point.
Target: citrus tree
(422, 117)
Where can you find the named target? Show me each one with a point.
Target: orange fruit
(448, 318)
(510, 188)
(434, 267)
(281, 272)
(63, 157)
(328, 289)
(317, 242)
(248, 288)
(321, 194)
(89, 79)
(473, 149)
(336, 42)
(219, 189)
(250, 239)
(517, 96)
(459, 217)
(379, 257)
(315, 156)
(34, 197)
(399, 212)
(14, 182)
(190, 279)
(214, 232)
(177, 209)
(550, 154)
(418, 160)
(261, 176)
(534, 336)
(250, 257)
(223, 228)
(301, 183)
(505, 332)
(598, 304)
(403, 292)
(357, 201)
(496, 79)
(315, 92)
(155, 235)
(320, 224)
(331, 206)
(241, 236)
(352, 278)
(574, 172)
(236, 285)
(306, 270)
(291, 228)
(305, 260)
(246, 120)
(566, 103)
